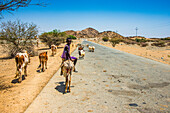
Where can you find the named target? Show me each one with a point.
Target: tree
(54, 37)
(18, 36)
(12, 5)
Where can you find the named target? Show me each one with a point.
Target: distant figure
(66, 55)
(36, 38)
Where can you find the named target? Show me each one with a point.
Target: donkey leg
(17, 72)
(43, 66)
(46, 64)
(25, 70)
(20, 78)
(66, 84)
(70, 82)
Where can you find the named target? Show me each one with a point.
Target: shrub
(159, 44)
(138, 44)
(115, 41)
(140, 40)
(167, 38)
(144, 44)
(126, 41)
(168, 44)
(105, 39)
(133, 42)
(72, 37)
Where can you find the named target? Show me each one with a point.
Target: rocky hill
(92, 33)
(110, 34)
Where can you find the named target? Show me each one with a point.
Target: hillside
(93, 33)
(110, 34)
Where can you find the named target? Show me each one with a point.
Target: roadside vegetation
(72, 37)
(143, 42)
(53, 37)
(17, 36)
(115, 41)
(159, 44)
(105, 39)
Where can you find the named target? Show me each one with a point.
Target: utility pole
(116, 33)
(136, 31)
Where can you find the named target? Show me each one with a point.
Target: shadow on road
(81, 58)
(6, 58)
(44, 48)
(60, 87)
(5, 87)
(59, 47)
(14, 81)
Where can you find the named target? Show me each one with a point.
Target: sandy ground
(16, 97)
(160, 54)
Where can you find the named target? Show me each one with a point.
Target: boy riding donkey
(66, 55)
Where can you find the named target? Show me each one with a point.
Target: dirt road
(108, 81)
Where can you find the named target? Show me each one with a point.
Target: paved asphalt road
(108, 81)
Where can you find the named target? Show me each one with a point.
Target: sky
(151, 17)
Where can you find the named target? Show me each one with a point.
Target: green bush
(54, 37)
(105, 39)
(140, 40)
(167, 38)
(115, 41)
(72, 37)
